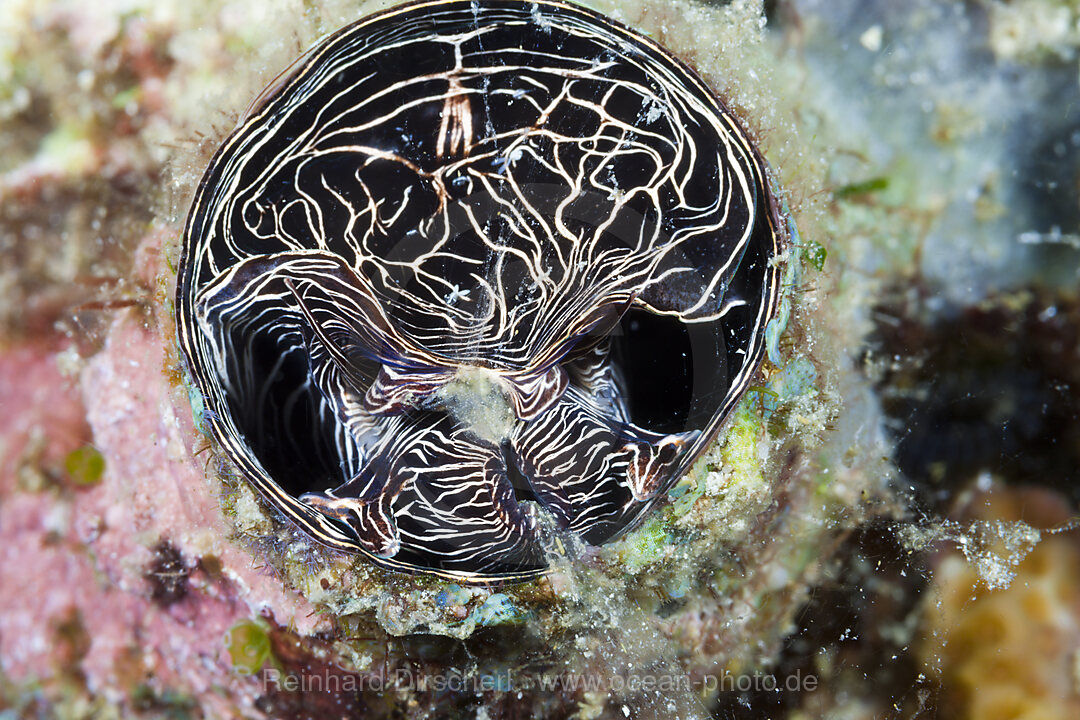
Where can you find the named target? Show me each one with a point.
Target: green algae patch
(815, 253)
(865, 187)
(248, 645)
(70, 149)
(739, 457)
(124, 98)
(643, 547)
(85, 466)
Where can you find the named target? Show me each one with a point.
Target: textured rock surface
(149, 586)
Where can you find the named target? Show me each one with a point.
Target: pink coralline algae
(77, 562)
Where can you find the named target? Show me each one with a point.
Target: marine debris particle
(167, 574)
(993, 547)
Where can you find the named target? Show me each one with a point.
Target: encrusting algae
(781, 554)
